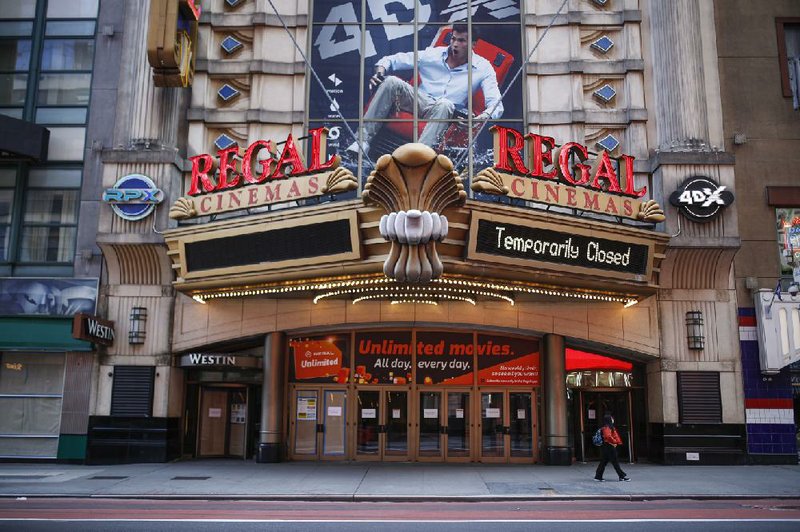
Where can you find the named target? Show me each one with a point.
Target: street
(95, 514)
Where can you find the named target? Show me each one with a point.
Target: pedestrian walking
(609, 450)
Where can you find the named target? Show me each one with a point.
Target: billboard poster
(788, 227)
(324, 359)
(23, 296)
(444, 358)
(383, 357)
(396, 71)
(507, 361)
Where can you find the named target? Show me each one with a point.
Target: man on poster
(443, 88)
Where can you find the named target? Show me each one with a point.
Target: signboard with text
(551, 246)
(323, 359)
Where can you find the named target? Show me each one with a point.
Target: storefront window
(31, 388)
(788, 228)
(599, 379)
(396, 72)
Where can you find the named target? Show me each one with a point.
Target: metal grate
(190, 478)
(108, 477)
(132, 392)
(699, 399)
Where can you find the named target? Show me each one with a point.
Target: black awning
(19, 138)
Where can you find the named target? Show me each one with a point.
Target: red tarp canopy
(580, 360)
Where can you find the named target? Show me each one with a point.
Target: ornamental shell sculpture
(414, 185)
(182, 208)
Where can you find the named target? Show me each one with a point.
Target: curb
(401, 499)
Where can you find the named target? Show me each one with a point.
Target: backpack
(597, 439)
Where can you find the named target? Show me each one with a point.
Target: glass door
(397, 425)
(303, 424)
(334, 425)
(522, 426)
(318, 426)
(594, 406)
(458, 431)
(508, 426)
(492, 426)
(382, 424)
(368, 424)
(430, 436)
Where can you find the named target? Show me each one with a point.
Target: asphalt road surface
(47, 514)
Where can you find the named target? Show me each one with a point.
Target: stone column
(678, 75)
(270, 441)
(556, 440)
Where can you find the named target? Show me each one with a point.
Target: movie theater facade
(487, 297)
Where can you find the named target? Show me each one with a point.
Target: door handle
(443, 429)
(320, 427)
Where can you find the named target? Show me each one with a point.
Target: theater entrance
(318, 423)
(223, 422)
(507, 426)
(382, 424)
(594, 405)
(445, 425)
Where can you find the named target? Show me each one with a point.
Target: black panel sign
(701, 199)
(533, 243)
(290, 243)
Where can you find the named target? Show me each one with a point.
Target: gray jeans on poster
(394, 89)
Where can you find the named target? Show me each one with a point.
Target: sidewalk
(232, 479)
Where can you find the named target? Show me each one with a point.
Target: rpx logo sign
(133, 197)
(701, 198)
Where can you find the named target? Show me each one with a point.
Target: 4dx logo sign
(701, 198)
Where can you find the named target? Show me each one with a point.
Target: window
(46, 60)
(699, 399)
(31, 390)
(426, 92)
(788, 30)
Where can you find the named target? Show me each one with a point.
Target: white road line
(416, 521)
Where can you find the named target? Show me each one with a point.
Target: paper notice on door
(592, 414)
(459, 413)
(395, 413)
(520, 413)
(430, 413)
(214, 412)
(307, 408)
(334, 411)
(492, 413)
(369, 413)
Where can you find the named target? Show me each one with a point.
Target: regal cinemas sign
(532, 168)
(261, 175)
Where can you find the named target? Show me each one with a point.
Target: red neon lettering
(318, 140)
(289, 157)
(603, 169)
(201, 166)
(540, 156)
(563, 163)
(250, 155)
(503, 151)
(227, 163)
(196, 10)
(626, 172)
